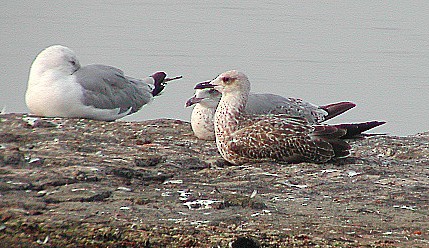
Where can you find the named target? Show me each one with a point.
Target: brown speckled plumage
(244, 138)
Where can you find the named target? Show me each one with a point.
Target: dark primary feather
(335, 109)
(356, 129)
(159, 84)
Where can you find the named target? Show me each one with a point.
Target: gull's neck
(229, 112)
(227, 119)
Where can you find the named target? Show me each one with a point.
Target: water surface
(372, 53)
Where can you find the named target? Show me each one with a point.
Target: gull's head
(231, 82)
(208, 97)
(58, 58)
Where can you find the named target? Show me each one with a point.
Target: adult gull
(242, 138)
(58, 86)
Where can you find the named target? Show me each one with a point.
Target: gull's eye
(226, 79)
(73, 62)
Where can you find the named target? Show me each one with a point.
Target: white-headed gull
(58, 86)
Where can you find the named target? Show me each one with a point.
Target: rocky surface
(84, 183)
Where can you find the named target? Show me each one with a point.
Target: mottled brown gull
(242, 138)
(58, 86)
(207, 99)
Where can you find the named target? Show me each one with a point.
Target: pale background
(374, 53)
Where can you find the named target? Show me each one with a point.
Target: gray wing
(274, 104)
(106, 87)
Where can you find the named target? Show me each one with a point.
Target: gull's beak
(204, 85)
(193, 100)
(77, 68)
(167, 79)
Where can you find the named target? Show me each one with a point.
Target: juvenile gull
(242, 138)
(207, 99)
(58, 86)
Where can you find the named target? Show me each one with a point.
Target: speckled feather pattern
(244, 138)
(202, 122)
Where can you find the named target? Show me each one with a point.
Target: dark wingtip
(159, 83)
(356, 129)
(204, 85)
(333, 135)
(341, 148)
(335, 109)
